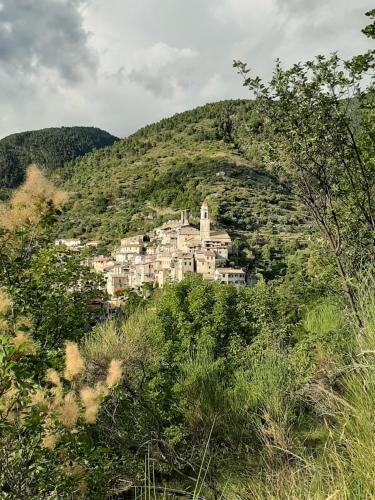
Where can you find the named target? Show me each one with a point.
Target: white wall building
(230, 276)
(69, 242)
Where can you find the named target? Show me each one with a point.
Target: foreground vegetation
(220, 400)
(204, 390)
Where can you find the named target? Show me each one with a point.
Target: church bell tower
(205, 222)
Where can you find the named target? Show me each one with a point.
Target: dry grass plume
(30, 201)
(74, 363)
(69, 411)
(114, 373)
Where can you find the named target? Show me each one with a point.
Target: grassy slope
(147, 178)
(50, 148)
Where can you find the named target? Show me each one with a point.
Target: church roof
(189, 230)
(219, 235)
(193, 243)
(205, 204)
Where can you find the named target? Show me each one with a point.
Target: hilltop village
(166, 254)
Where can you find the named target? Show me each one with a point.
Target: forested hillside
(49, 148)
(149, 177)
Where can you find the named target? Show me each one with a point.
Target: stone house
(116, 282)
(205, 263)
(230, 276)
(101, 263)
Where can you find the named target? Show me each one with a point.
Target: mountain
(147, 178)
(50, 148)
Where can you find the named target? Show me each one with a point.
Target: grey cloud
(300, 6)
(158, 84)
(154, 57)
(164, 70)
(44, 34)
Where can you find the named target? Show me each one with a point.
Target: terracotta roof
(109, 267)
(121, 266)
(102, 259)
(193, 243)
(205, 204)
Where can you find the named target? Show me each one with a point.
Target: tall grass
(129, 341)
(341, 462)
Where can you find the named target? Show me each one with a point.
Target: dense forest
(202, 390)
(49, 148)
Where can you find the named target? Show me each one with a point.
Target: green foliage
(32, 439)
(56, 293)
(332, 452)
(196, 361)
(48, 148)
(317, 118)
(44, 300)
(369, 30)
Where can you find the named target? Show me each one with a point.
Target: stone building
(230, 276)
(117, 278)
(205, 263)
(69, 242)
(169, 252)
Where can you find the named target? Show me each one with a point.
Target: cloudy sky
(120, 64)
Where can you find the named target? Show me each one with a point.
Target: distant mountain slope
(141, 181)
(50, 148)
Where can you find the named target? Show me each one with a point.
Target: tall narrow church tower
(205, 222)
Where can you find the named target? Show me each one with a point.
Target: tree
(369, 30)
(57, 294)
(318, 118)
(181, 355)
(49, 286)
(24, 224)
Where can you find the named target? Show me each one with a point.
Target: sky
(122, 64)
